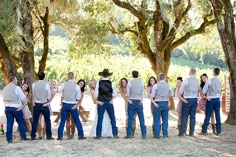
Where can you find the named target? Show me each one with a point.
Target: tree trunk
(26, 49)
(8, 66)
(42, 62)
(226, 29)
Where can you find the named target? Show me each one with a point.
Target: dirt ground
(211, 145)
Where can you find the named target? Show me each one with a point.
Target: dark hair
(180, 78)
(28, 89)
(82, 88)
(216, 71)
(202, 84)
(122, 80)
(12, 77)
(41, 75)
(135, 74)
(149, 80)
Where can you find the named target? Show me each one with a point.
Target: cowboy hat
(105, 73)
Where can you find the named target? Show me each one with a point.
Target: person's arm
(128, 93)
(62, 95)
(93, 96)
(78, 97)
(48, 95)
(206, 86)
(152, 95)
(181, 91)
(22, 97)
(122, 94)
(96, 90)
(114, 93)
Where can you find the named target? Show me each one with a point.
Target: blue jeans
(161, 111)
(188, 109)
(12, 114)
(37, 110)
(66, 109)
(110, 110)
(212, 105)
(136, 106)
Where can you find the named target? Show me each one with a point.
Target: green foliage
(7, 16)
(88, 66)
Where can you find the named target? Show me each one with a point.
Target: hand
(74, 107)
(155, 104)
(111, 102)
(20, 108)
(46, 104)
(100, 103)
(130, 102)
(208, 98)
(168, 104)
(185, 101)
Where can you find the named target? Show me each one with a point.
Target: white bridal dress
(106, 125)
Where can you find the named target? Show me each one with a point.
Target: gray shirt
(67, 90)
(161, 91)
(212, 88)
(135, 89)
(13, 96)
(189, 88)
(41, 91)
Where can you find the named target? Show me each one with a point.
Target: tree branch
(188, 35)
(177, 22)
(130, 8)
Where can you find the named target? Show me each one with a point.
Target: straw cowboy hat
(105, 73)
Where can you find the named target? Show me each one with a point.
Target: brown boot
(68, 132)
(213, 128)
(133, 132)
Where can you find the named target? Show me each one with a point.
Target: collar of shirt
(103, 78)
(162, 81)
(192, 76)
(71, 81)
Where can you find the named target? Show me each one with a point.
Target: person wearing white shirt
(41, 95)
(135, 89)
(188, 93)
(213, 90)
(105, 93)
(161, 92)
(71, 95)
(13, 98)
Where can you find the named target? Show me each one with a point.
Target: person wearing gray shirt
(213, 90)
(135, 89)
(41, 96)
(188, 93)
(161, 92)
(13, 98)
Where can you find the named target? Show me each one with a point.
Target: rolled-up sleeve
(182, 87)
(114, 92)
(154, 89)
(78, 93)
(128, 88)
(170, 90)
(21, 94)
(48, 92)
(205, 88)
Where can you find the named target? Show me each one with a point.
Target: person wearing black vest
(105, 93)
(213, 89)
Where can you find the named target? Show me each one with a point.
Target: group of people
(103, 93)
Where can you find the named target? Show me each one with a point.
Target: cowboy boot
(133, 132)
(213, 128)
(68, 132)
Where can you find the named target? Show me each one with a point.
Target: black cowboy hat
(105, 73)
